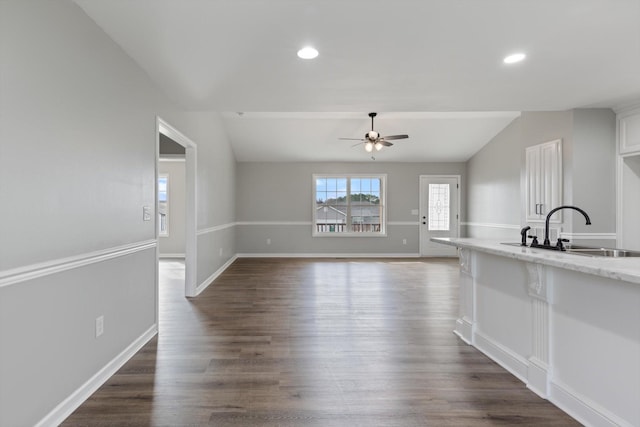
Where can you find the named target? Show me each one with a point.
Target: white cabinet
(544, 180)
(629, 131)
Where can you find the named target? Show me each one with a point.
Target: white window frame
(348, 176)
(166, 232)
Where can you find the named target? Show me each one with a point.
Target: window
(438, 207)
(163, 205)
(349, 205)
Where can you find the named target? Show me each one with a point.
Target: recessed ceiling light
(307, 53)
(516, 57)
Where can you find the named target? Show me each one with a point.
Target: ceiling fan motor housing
(372, 135)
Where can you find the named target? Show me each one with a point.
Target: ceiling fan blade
(395, 137)
(385, 143)
(355, 145)
(352, 139)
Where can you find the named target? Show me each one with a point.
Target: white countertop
(626, 269)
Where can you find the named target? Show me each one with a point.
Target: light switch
(146, 213)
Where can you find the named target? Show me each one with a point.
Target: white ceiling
(410, 60)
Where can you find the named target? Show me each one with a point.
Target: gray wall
(588, 157)
(493, 186)
(593, 170)
(77, 165)
(274, 201)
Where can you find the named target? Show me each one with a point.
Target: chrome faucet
(551, 212)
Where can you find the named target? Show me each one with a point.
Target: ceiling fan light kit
(372, 139)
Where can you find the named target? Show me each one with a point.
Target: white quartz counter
(625, 269)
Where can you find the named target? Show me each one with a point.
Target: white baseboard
(464, 330)
(328, 255)
(163, 256)
(204, 285)
(77, 398)
(538, 377)
(583, 409)
(512, 362)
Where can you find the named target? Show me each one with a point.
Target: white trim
(582, 408)
(584, 236)
(164, 158)
(33, 271)
(503, 356)
(413, 223)
(274, 223)
(491, 225)
(329, 255)
(216, 228)
(171, 256)
(77, 398)
(204, 285)
(464, 330)
(191, 202)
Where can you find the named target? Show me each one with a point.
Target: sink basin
(603, 252)
(592, 251)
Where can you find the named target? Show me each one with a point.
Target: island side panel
(503, 315)
(595, 348)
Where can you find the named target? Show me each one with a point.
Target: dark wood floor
(299, 342)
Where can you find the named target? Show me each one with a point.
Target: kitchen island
(567, 325)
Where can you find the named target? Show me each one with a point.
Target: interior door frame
(191, 211)
(421, 203)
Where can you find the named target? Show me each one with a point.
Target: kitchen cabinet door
(629, 131)
(544, 180)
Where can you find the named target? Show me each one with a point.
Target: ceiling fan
(372, 139)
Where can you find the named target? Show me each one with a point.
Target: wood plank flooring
(300, 342)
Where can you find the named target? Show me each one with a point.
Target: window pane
(163, 208)
(162, 188)
(331, 205)
(341, 211)
(439, 207)
(355, 185)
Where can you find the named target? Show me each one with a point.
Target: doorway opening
(439, 213)
(166, 136)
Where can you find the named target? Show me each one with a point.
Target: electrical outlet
(404, 241)
(146, 213)
(99, 326)
(268, 241)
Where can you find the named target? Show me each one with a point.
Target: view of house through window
(163, 205)
(348, 204)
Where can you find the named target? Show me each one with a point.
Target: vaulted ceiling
(430, 68)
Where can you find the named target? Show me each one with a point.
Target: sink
(602, 252)
(591, 251)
